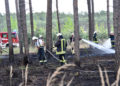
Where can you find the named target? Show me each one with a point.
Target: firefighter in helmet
(72, 39)
(61, 48)
(112, 39)
(39, 43)
(95, 37)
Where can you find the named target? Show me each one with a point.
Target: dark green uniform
(95, 38)
(61, 49)
(112, 40)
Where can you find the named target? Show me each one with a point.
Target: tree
(93, 19)
(116, 19)
(90, 19)
(19, 27)
(49, 26)
(76, 32)
(57, 10)
(11, 53)
(108, 18)
(31, 19)
(24, 28)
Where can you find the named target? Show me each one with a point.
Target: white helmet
(95, 32)
(111, 33)
(34, 38)
(59, 34)
(40, 36)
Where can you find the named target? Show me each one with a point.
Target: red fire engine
(4, 39)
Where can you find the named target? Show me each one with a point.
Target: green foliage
(68, 27)
(67, 24)
(13, 23)
(35, 25)
(83, 33)
(102, 31)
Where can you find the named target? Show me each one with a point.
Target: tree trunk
(19, 27)
(76, 32)
(90, 20)
(93, 19)
(57, 10)
(49, 26)
(116, 19)
(108, 18)
(24, 28)
(11, 53)
(31, 20)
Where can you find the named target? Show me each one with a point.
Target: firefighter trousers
(41, 55)
(62, 59)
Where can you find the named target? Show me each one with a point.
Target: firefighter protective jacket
(61, 46)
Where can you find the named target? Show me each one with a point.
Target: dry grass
(118, 77)
(69, 83)
(82, 45)
(101, 76)
(26, 74)
(11, 74)
(116, 82)
(51, 79)
(17, 51)
(62, 80)
(107, 78)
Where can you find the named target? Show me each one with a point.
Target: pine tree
(24, 28)
(19, 27)
(49, 26)
(58, 19)
(76, 32)
(31, 19)
(108, 18)
(11, 53)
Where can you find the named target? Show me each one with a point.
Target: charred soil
(85, 75)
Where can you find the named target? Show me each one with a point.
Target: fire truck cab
(4, 39)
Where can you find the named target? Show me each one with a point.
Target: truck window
(4, 35)
(13, 35)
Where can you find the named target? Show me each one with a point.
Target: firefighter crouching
(112, 39)
(95, 37)
(61, 48)
(39, 43)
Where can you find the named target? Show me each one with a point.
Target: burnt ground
(86, 75)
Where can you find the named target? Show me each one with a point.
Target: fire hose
(52, 55)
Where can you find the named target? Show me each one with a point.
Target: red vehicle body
(4, 39)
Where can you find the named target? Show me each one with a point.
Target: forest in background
(67, 23)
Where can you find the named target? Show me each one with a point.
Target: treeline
(66, 21)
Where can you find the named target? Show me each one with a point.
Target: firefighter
(72, 38)
(61, 48)
(72, 43)
(39, 43)
(112, 39)
(34, 38)
(95, 37)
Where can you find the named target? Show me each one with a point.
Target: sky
(65, 6)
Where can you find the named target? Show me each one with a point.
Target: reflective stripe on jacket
(61, 47)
